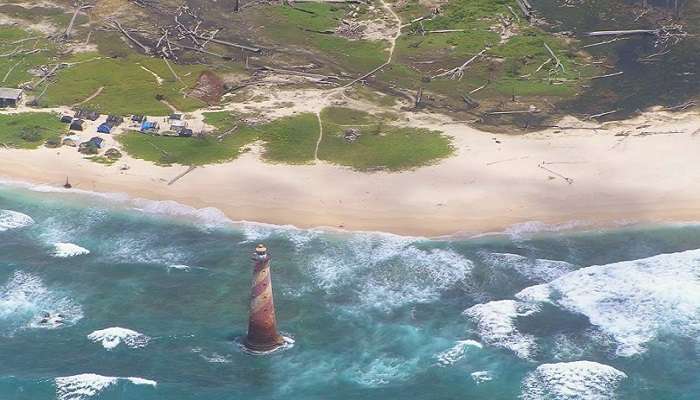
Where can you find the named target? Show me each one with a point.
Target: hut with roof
(10, 97)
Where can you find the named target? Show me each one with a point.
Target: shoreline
(491, 183)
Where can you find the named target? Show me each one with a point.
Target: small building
(66, 119)
(10, 97)
(185, 132)
(87, 114)
(77, 125)
(114, 120)
(138, 118)
(149, 127)
(176, 117)
(177, 125)
(71, 140)
(104, 128)
(97, 141)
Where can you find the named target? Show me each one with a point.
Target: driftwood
(559, 64)
(419, 97)
(177, 178)
(608, 75)
(527, 11)
(617, 39)
(47, 76)
(603, 114)
(12, 68)
(171, 69)
(119, 26)
(457, 73)
(566, 179)
(69, 29)
(479, 88)
(509, 112)
(470, 102)
(299, 73)
(630, 32)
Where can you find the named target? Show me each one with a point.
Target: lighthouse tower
(262, 325)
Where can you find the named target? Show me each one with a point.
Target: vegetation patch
(290, 140)
(23, 50)
(30, 130)
(364, 142)
(133, 85)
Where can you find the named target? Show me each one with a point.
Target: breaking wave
(66, 250)
(83, 386)
(12, 220)
(457, 352)
(25, 302)
(534, 270)
(113, 337)
(632, 301)
(578, 380)
(495, 322)
(385, 272)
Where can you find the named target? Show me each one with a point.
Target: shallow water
(154, 310)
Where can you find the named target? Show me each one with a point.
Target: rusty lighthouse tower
(262, 324)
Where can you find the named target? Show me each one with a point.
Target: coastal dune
(494, 181)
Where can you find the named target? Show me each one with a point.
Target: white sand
(486, 186)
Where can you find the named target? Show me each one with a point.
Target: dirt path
(92, 96)
(320, 135)
(158, 78)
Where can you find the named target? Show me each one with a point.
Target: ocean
(154, 295)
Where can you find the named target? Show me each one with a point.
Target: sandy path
(92, 96)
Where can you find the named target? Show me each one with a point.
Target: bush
(53, 142)
(30, 135)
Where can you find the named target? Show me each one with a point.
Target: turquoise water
(514, 315)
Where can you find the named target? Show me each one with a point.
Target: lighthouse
(262, 324)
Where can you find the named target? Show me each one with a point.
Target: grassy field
(14, 68)
(128, 88)
(290, 140)
(30, 130)
(379, 146)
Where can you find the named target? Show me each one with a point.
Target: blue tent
(104, 128)
(148, 126)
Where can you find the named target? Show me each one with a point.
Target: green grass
(290, 26)
(291, 140)
(45, 125)
(379, 146)
(20, 64)
(128, 88)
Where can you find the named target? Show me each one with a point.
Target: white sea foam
(457, 352)
(84, 386)
(535, 270)
(633, 301)
(12, 220)
(481, 376)
(209, 216)
(216, 358)
(537, 293)
(66, 250)
(24, 300)
(383, 371)
(389, 270)
(113, 337)
(578, 380)
(526, 230)
(496, 325)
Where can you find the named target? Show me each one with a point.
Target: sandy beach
(492, 182)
